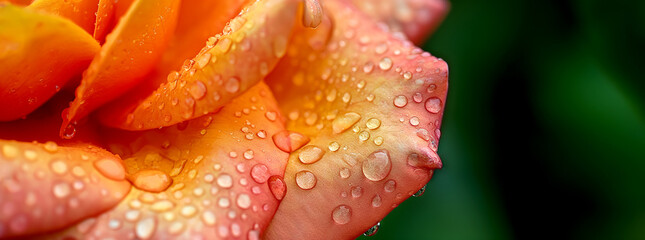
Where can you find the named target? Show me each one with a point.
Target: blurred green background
(544, 130)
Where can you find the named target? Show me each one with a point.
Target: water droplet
(385, 64)
(260, 173)
(175, 228)
(279, 46)
(110, 169)
(390, 186)
(306, 180)
(357, 192)
(61, 190)
(310, 154)
(364, 136)
(253, 235)
(232, 85)
(433, 105)
(344, 122)
(378, 140)
(271, 116)
(373, 123)
(414, 121)
(203, 60)
(400, 101)
(243, 201)
(146, 228)
(333, 146)
(223, 202)
(208, 217)
(377, 165)
(417, 97)
(344, 173)
(368, 67)
(9, 151)
(59, 167)
(288, 141)
(188, 108)
(376, 201)
(162, 206)
(342, 214)
(277, 186)
(151, 180)
(49, 146)
(225, 181)
(198, 90)
(248, 154)
(420, 192)
(372, 231)
(381, 48)
(188, 211)
(224, 44)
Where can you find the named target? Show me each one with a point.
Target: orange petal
(39, 54)
(371, 104)
(104, 17)
(223, 170)
(129, 53)
(18, 2)
(44, 187)
(198, 20)
(82, 12)
(417, 19)
(248, 49)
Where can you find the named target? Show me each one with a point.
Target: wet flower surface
(272, 119)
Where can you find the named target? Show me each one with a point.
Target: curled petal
(232, 62)
(129, 53)
(371, 104)
(45, 187)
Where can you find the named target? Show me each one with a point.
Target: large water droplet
(277, 186)
(433, 105)
(377, 165)
(310, 154)
(306, 180)
(151, 180)
(342, 214)
(344, 122)
(372, 231)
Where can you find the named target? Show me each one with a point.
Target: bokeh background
(544, 130)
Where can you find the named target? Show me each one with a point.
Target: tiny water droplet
(420, 192)
(373, 230)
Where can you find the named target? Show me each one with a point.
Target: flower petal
(224, 169)
(39, 54)
(198, 20)
(223, 70)
(417, 19)
(82, 12)
(129, 53)
(44, 187)
(104, 17)
(371, 105)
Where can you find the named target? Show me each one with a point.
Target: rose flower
(189, 119)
